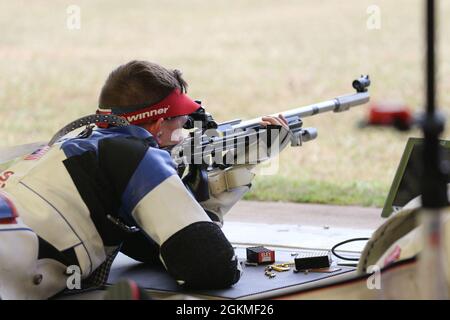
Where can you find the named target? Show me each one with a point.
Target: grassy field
(243, 59)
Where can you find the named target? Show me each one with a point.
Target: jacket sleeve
(140, 247)
(193, 249)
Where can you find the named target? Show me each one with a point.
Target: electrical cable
(344, 242)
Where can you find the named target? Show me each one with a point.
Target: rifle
(206, 145)
(204, 150)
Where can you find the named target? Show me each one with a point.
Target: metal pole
(430, 74)
(432, 268)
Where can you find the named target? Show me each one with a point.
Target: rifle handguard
(221, 181)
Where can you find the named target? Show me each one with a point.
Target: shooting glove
(226, 187)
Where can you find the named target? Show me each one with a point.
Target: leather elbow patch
(200, 257)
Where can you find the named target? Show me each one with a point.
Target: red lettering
(4, 177)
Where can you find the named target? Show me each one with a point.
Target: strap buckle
(119, 223)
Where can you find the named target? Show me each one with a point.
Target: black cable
(344, 242)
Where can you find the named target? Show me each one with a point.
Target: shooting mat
(252, 283)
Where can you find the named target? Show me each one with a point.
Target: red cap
(175, 104)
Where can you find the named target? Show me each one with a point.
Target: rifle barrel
(339, 104)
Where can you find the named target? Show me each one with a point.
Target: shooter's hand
(275, 121)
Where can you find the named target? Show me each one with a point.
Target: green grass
(242, 59)
(311, 191)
